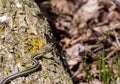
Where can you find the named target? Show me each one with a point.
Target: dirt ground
(86, 31)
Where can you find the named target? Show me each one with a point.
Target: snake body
(35, 66)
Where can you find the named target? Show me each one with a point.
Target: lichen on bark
(24, 31)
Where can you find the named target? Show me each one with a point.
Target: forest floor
(88, 33)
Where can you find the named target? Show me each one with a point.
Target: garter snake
(35, 66)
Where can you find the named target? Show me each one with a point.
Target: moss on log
(24, 32)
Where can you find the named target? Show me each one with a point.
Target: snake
(35, 66)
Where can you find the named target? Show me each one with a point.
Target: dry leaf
(88, 11)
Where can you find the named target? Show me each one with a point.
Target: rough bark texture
(23, 33)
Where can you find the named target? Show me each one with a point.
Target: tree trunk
(24, 32)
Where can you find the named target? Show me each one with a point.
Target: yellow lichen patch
(6, 71)
(27, 64)
(18, 59)
(34, 45)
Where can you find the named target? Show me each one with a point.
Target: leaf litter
(83, 29)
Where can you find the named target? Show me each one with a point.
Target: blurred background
(87, 33)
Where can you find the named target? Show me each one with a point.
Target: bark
(24, 32)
